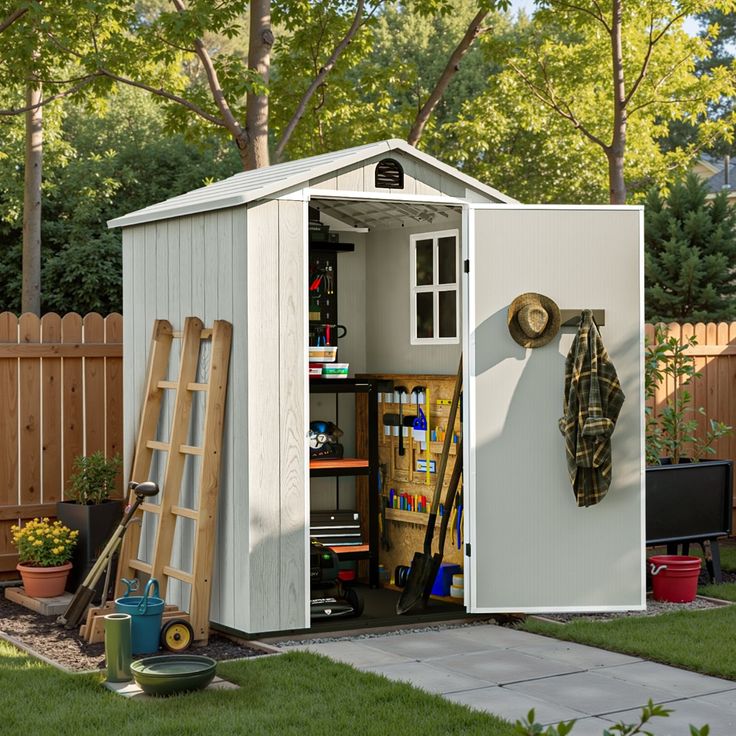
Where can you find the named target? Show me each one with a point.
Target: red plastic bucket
(674, 577)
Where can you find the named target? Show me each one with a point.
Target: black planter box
(688, 502)
(95, 525)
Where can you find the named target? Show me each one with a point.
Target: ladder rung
(198, 387)
(167, 384)
(204, 335)
(150, 507)
(156, 445)
(177, 574)
(190, 450)
(140, 565)
(184, 511)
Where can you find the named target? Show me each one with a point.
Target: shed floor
(380, 611)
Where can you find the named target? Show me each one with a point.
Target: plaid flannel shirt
(593, 400)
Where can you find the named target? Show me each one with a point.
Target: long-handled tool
(422, 564)
(79, 603)
(449, 502)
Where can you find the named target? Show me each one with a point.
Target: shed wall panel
(171, 270)
(264, 550)
(292, 387)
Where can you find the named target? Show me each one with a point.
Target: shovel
(422, 565)
(79, 603)
(449, 502)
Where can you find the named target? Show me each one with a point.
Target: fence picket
(114, 393)
(51, 407)
(29, 400)
(94, 387)
(72, 395)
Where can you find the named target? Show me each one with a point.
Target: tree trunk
(31, 294)
(259, 58)
(617, 150)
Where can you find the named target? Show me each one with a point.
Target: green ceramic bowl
(173, 673)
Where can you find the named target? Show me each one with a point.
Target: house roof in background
(250, 186)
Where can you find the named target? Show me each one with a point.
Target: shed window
(435, 288)
(389, 174)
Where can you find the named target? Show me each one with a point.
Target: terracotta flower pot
(44, 582)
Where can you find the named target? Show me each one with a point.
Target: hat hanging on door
(533, 320)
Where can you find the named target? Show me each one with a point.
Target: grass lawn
(702, 641)
(295, 693)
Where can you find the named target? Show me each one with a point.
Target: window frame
(433, 288)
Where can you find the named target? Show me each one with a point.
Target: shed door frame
(472, 561)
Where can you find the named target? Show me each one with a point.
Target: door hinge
(467, 549)
(467, 265)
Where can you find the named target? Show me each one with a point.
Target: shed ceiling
(382, 215)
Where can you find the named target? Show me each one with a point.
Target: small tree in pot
(89, 509)
(688, 499)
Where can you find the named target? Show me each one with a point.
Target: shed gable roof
(250, 186)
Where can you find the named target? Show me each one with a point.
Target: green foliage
(690, 250)
(93, 478)
(101, 161)
(674, 428)
(516, 140)
(529, 726)
(42, 543)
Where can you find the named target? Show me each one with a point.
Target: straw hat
(533, 319)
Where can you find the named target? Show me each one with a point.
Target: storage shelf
(344, 466)
(353, 552)
(409, 517)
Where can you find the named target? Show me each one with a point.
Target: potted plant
(44, 551)
(88, 509)
(689, 497)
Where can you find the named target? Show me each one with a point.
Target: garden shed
(429, 260)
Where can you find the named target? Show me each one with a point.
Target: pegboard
(405, 535)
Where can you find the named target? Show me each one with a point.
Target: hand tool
(422, 565)
(77, 607)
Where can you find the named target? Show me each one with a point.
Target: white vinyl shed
(237, 250)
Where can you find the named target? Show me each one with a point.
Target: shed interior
(396, 291)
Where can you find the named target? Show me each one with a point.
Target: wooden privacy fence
(61, 394)
(715, 390)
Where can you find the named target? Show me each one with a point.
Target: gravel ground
(68, 649)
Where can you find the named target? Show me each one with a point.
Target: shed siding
(419, 178)
(173, 269)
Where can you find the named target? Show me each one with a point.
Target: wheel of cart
(177, 635)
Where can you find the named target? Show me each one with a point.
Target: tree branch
(546, 97)
(160, 92)
(319, 79)
(45, 101)
(452, 68)
(228, 119)
(653, 40)
(587, 11)
(10, 19)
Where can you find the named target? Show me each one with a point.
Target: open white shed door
(532, 548)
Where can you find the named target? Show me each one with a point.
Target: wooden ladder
(168, 510)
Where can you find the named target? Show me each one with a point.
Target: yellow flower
(38, 543)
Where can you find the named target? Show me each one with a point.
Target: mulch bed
(45, 637)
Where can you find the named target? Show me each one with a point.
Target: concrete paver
(687, 712)
(504, 666)
(508, 672)
(592, 693)
(512, 705)
(680, 683)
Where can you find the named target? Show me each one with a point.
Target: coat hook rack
(571, 317)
